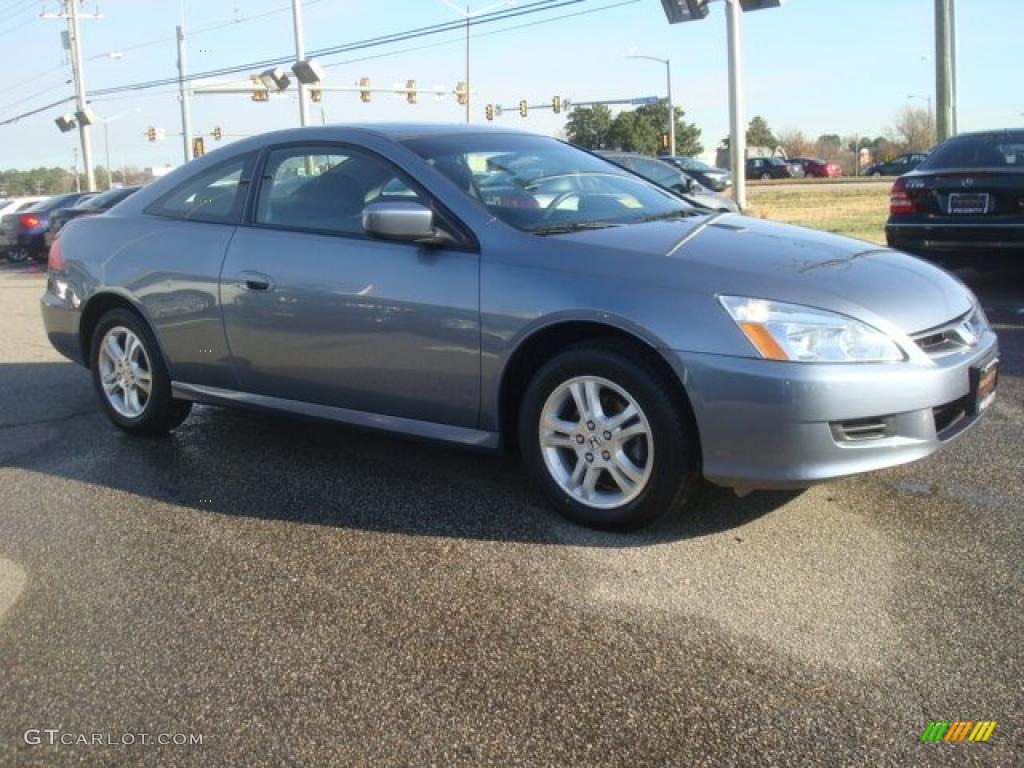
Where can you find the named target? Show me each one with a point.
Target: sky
(821, 66)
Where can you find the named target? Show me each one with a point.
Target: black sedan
(897, 166)
(773, 168)
(716, 179)
(964, 205)
(86, 207)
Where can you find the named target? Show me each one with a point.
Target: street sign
(644, 100)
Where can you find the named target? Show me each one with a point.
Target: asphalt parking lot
(302, 594)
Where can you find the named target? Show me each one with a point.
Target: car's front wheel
(603, 433)
(765, 176)
(131, 378)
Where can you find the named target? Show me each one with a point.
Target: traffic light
(151, 133)
(364, 95)
(410, 91)
(664, 140)
(461, 95)
(315, 94)
(198, 147)
(523, 108)
(489, 111)
(556, 104)
(217, 133)
(261, 94)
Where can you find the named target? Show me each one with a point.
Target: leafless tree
(914, 130)
(796, 143)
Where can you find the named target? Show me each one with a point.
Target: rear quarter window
(215, 195)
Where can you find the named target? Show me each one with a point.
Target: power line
(458, 41)
(534, 7)
(537, 6)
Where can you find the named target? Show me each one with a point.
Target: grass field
(856, 210)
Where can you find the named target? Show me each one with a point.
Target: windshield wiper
(681, 214)
(561, 229)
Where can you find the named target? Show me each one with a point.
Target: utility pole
(467, 63)
(737, 135)
(943, 71)
(183, 97)
(955, 125)
(300, 55)
(71, 7)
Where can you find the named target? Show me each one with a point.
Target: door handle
(257, 281)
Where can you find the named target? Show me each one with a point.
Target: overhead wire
(534, 7)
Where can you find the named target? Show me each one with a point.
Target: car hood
(733, 254)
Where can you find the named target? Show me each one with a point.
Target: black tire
(17, 255)
(674, 469)
(765, 176)
(161, 413)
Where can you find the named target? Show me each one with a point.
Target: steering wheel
(560, 198)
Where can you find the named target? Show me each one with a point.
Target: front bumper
(768, 425)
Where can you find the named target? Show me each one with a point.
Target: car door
(317, 311)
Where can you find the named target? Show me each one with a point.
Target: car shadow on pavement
(271, 467)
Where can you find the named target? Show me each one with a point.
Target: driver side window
(325, 189)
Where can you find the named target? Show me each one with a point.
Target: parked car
(897, 166)
(715, 179)
(817, 167)
(30, 226)
(625, 342)
(671, 178)
(8, 218)
(86, 206)
(772, 168)
(964, 204)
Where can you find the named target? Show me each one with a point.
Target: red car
(821, 168)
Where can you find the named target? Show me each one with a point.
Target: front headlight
(781, 331)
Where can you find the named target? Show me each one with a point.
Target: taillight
(55, 262)
(900, 203)
(28, 221)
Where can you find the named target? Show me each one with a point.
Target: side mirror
(406, 222)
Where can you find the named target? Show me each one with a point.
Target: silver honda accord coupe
(499, 289)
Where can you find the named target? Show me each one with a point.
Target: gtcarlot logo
(55, 737)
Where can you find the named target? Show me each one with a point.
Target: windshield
(539, 184)
(60, 201)
(1004, 149)
(105, 200)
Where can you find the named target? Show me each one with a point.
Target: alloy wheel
(596, 442)
(125, 371)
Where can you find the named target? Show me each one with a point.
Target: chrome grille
(961, 333)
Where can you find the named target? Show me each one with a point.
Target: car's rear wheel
(131, 378)
(604, 436)
(765, 176)
(17, 255)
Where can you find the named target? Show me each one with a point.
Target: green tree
(760, 135)
(636, 130)
(589, 127)
(687, 134)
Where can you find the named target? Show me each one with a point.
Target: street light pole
(183, 96)
(737, 137)
(80, 99)
(300, 55)
(671, 109)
